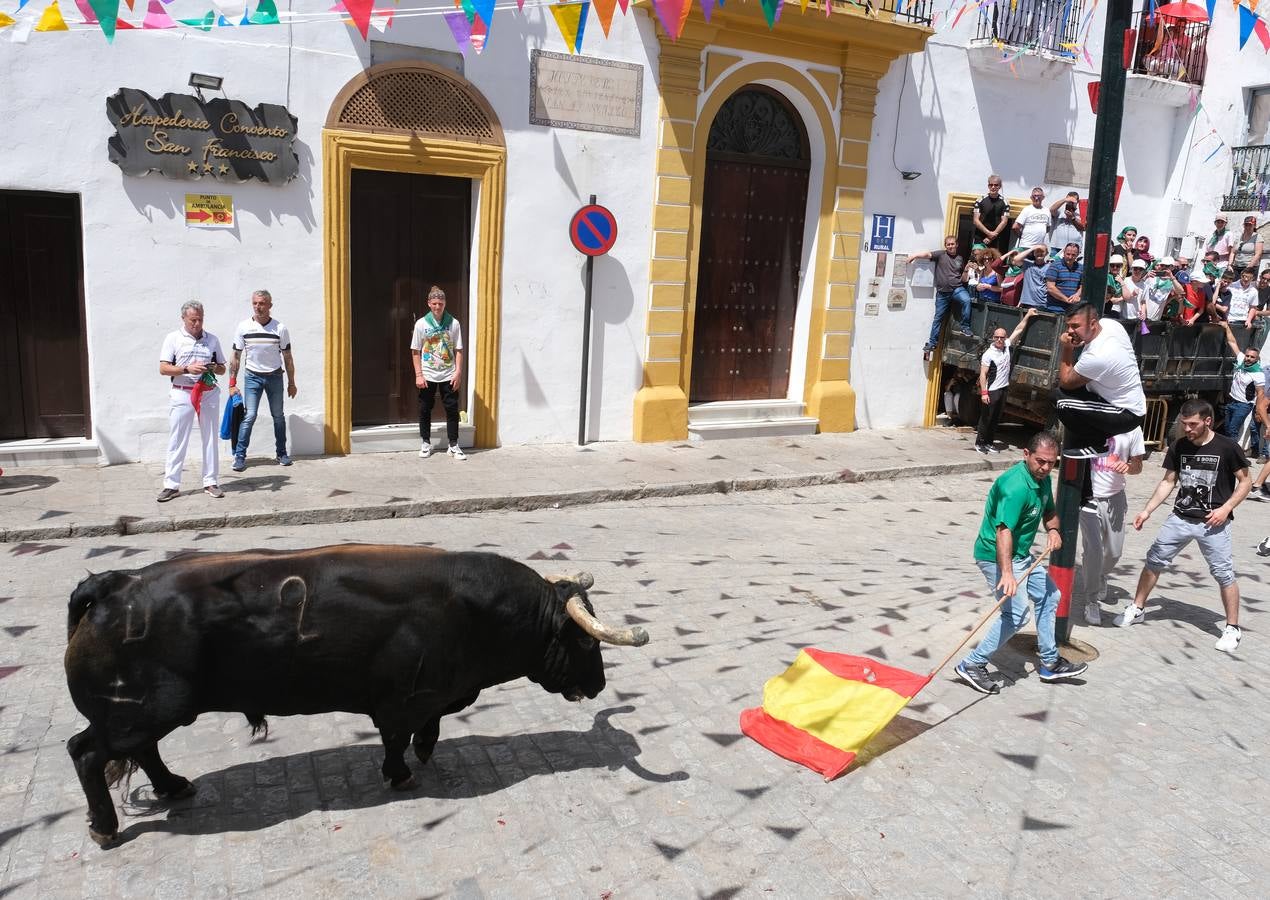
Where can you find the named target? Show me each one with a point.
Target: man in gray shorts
(1211, 472)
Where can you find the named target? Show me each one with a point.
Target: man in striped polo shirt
(1062, 281)
(263, 345)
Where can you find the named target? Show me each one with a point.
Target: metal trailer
(1177, 362)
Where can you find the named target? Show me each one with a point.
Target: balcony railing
(913, 12)
(1249, 180)
(1170, 48)
(1033, 24)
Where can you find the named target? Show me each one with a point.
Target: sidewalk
(48, 503)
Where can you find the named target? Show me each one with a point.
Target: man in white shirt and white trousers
(187, 355)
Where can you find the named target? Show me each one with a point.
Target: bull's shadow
(251, 796)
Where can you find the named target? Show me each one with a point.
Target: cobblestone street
(1145, 780)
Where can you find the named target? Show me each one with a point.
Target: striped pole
(1063, 567)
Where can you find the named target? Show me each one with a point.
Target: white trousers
(180, 423)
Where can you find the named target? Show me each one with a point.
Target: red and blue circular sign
(593, 230)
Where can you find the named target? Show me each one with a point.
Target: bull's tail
(119, 769)
(258, 724)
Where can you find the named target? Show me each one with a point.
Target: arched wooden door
(753, 212)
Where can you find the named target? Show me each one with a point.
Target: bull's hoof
(186, 790)
(103, 840)
(406, 784)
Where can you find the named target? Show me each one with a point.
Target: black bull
(404, 635)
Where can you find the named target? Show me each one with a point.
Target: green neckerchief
(1217, 236)
(1255, 367)
(431, 322)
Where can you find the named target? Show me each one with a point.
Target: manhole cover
(1075, 650)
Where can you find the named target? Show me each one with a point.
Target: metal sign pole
(586, 346)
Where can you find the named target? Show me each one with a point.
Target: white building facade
(743, 167)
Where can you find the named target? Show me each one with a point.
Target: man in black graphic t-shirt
(1211, 473)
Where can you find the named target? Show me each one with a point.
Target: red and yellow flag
(823, 709)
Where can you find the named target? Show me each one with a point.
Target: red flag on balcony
(1130, 38)
(1094, 87)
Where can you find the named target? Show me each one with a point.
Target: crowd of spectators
(1036, 262)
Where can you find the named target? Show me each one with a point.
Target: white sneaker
(425, 451)
(1093, 615)
(1132, 615)
(457, 452)
(1229, 640)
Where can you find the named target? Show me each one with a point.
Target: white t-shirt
(1123, 447)
(1036, 226)
(180, 349)
(1241, 301)
(437, 348)
(1156, 296)
(1112, 369)
(1001, 358)
(262, 345)
(1241, 381)
(1131, 306)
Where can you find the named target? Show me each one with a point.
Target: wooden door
(408, 232)
(43, 354)
(753, 213)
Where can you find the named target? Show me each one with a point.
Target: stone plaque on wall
(587, 94)
(1069, 166)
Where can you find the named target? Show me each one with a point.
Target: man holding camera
(1066, 225)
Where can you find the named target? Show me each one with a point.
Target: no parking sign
(593, 230)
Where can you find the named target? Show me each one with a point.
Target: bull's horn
(583, 580)
(623, 637)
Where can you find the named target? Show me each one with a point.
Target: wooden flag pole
(986, 616)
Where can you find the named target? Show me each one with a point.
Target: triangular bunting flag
(671, 14)
(468, 10)
(6, 21)
(124, 25)
(771, 11)
(266, 13)
(624, 4)
(520, 5)
(1247, 21)
(461, 28)
(707, 8)
(359, 12)
(107, 15)
(51, 19)
(157, 17)
(222, 22)
(604, 9)
(480, 32)
(203, 24)
(246, 19)
(1211, 5)
(484, 9)
(1262, 34)
(86, 10)
(571, 20)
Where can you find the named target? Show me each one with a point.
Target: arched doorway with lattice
(414, 170)
(752, 218)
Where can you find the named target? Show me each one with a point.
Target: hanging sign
(593, 230)
(209, 210)
(182, 136)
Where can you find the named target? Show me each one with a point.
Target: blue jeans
(943, 300)
(1236, 412)
(253, 386)
(1044, 595)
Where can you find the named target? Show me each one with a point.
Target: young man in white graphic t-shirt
(1102, 518)
(994, 381)
(436, 349)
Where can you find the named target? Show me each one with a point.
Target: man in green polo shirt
(1018, 502)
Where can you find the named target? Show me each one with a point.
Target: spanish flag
(822, 710)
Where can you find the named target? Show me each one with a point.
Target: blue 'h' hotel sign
(883, 235)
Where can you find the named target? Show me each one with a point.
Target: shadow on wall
(910, 153)
(1022, 160)
(153, 195)
(613, 301)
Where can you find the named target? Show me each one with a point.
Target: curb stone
(128, 525)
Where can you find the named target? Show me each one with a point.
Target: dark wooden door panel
(747, 284)
(42, 351)
(408, 232)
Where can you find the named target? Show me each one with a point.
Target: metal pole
(586, 347)
(1102, 195)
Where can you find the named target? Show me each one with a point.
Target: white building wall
(141, 261)
(955, 124)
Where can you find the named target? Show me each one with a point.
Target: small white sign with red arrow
(209, 211)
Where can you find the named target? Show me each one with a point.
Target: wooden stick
(986, 616)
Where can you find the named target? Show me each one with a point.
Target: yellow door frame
(484, 161)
